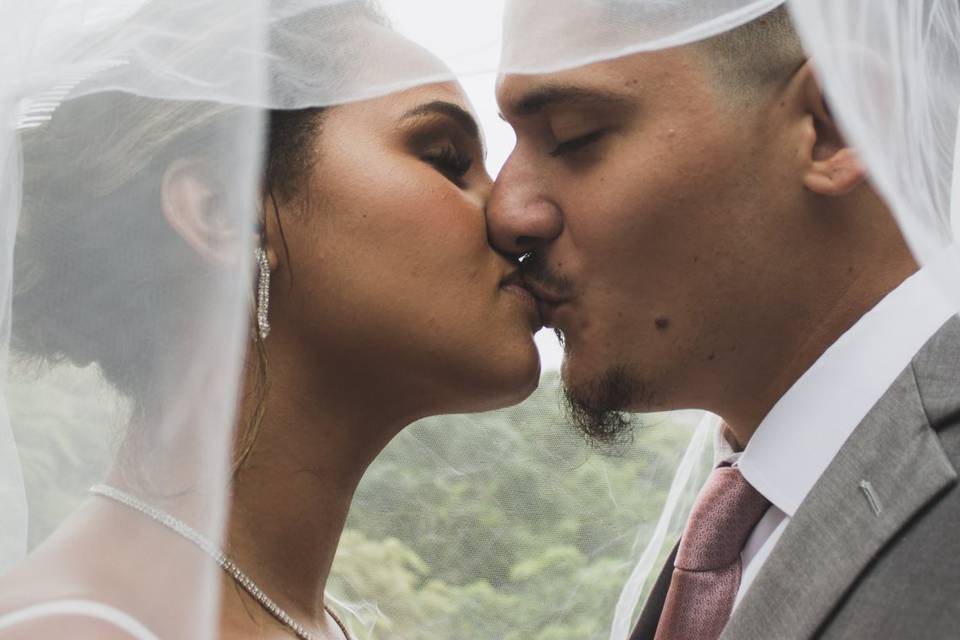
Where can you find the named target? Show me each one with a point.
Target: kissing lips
(547, 301)
(514, 285)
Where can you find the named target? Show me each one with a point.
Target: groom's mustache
(545, 284)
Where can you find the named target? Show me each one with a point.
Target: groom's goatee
(597, 408)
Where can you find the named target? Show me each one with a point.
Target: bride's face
(388, 274)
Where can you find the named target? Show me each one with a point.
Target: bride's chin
(514, 383)
(497, 379)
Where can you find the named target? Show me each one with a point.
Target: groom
(700, 235)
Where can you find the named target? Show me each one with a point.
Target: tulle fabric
(498, 525)
(541, 36)
(122, 347)
(891, 70)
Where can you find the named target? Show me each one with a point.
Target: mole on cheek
(662, 324)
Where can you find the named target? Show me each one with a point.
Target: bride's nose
(520, 217)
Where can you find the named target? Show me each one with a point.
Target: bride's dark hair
(112, 178)
(110, 150)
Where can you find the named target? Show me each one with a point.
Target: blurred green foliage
(503, 525)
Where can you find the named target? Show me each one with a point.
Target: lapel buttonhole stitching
(867, 488)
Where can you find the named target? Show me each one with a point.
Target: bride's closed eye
(445, 136)
(450, 161)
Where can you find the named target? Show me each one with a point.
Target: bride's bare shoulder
(48, 596)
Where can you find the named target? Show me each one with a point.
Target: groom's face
(640, 195)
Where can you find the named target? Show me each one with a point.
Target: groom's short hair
(757, 55)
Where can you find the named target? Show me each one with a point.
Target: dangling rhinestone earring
(263, 293)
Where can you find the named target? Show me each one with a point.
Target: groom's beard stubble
(597, 409)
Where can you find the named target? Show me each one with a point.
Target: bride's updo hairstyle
(63, 279)
(65, 305)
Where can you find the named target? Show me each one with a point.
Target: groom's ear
(831, 168)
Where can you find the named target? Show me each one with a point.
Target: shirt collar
(806, 428)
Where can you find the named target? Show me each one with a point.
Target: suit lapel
(646, 627)
(892, 465)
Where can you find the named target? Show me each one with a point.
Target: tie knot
(725, 513)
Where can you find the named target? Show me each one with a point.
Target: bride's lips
(513, 284)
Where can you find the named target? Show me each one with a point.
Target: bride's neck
(293, 492)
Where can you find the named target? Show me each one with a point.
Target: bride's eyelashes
(576, 144)
(450, 161)
(445, 136)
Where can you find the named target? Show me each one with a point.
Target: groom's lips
(547, 301)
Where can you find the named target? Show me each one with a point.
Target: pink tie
(706, 573)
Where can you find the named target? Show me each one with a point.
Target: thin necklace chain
(184, 530)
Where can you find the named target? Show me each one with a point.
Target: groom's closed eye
(573, 145)
(574, 130)
(568, 121)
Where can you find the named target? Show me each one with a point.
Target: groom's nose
(520, 216)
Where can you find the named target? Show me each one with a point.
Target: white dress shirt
(806, 428)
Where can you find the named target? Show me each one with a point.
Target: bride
(377, 301)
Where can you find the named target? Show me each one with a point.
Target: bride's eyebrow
(455, 112)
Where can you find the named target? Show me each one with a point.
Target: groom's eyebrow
(542, 97)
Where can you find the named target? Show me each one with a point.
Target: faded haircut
(756, 56)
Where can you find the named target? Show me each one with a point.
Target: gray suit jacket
(885, 565)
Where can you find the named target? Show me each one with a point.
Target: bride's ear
(832, 168)
(193, 204)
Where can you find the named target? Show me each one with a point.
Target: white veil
(122, 346)
(891, 69)
(493, 525)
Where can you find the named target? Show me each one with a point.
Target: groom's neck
(777, 360)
